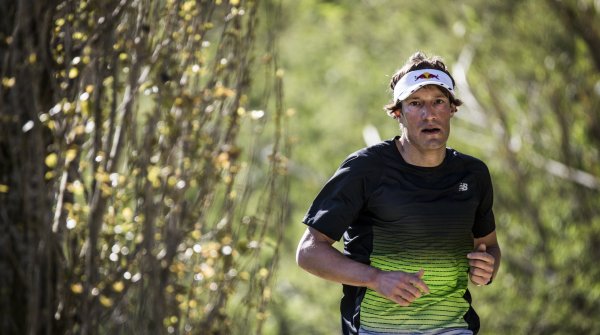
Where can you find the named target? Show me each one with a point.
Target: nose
(428, 112)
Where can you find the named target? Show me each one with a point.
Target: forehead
(433, 91)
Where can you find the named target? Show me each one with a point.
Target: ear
(453, 109)
(397, 113)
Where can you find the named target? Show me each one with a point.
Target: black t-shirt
(400, 217)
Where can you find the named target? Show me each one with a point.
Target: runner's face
(426, 118)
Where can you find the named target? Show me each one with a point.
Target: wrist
(371, 279)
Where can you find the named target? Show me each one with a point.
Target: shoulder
(469, 162)
(367, 162)
(473, 166)
(368, 158)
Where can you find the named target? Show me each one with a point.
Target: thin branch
(476, 116)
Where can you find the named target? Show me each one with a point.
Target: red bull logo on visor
(427, 75)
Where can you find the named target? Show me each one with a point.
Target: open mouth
(431, 130)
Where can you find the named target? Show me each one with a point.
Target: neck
(424, 158)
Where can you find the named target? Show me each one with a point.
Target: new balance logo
(462, 187)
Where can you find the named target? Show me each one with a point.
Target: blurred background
(157, 157)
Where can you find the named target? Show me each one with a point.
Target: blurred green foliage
(529, 76)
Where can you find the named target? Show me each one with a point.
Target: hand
(482, 266)
(401, 287)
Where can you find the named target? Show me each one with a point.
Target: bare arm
(317, 255)
(485, 259)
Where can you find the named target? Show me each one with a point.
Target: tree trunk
(29, 258)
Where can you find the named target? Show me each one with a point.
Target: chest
(408, 196)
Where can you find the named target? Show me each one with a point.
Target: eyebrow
(437, 96)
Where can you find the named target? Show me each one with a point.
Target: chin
(435, 145)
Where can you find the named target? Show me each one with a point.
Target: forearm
(317, 256)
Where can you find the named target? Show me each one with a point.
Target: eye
(440, 101)
(414, 103)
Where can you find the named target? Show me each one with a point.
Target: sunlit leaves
(105, 301)
(76, 187)
(70, 154)
(51, 160)
(8, 82)
(73, 73)
(221, 92)
(151, 161)
(77, 288)
(154, 176)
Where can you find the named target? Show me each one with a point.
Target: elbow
(305, 245)
(312, 249)
(307, 254)
(301, 256)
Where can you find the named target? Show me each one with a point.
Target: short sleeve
(485, 222)
(342, 198)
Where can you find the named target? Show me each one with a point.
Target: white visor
(414, 80)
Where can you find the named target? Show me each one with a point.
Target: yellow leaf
(106, 190)
(76, 188)
(73, 73)
(106, 301)
(79, 130)
(118, 286)
(188, 6)
(3, 188)
(196, 234)
(207, 270)
(153, 176)
(51, 160)
(70, 155)
(223, 92)
(77, 288)
(78, 35)
(8, 82)
(267, 293)
(50, 125)
(102, 177)
(263, 272)
(127, 214)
